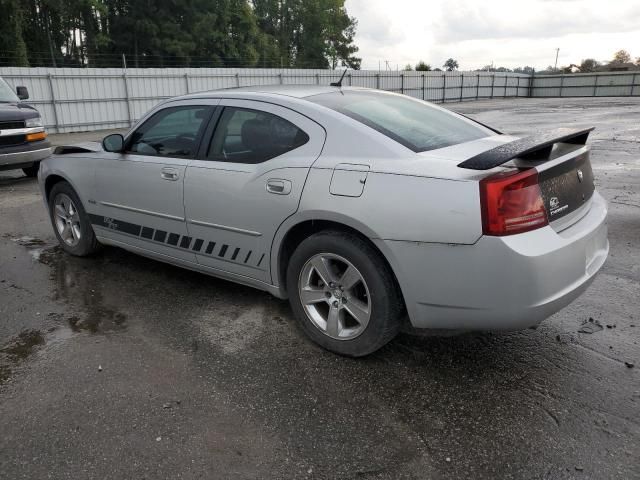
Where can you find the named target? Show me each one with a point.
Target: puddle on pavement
(107, 320)
(18, 349)
(91, 290)
(35, 246)
(77, 285)
(23, 345)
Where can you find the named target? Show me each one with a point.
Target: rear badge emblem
(580, 175)
(554, 206)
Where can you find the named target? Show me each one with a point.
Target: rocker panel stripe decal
(173, 240)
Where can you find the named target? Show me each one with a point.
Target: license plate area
(567, 187)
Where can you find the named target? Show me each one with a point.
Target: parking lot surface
(118, 366)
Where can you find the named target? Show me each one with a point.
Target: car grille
(12, 140)
(11, 125)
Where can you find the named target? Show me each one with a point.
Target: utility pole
(555, 67)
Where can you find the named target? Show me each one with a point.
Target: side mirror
(113, 143)
(22, 93)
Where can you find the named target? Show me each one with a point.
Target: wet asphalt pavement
(122, 367)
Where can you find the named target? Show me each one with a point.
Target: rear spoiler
(535, 147)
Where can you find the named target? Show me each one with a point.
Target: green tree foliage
(11, 23)
(407, 68)
(450, 65)
(308, 33)
(526, 69)
(423, 67)
(243, 33)
(589, 65)
(621, 56)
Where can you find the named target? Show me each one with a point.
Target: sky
(508, 33)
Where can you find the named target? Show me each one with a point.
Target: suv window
(6, 93)
(410, 122)
(252, 136)
(172, 132)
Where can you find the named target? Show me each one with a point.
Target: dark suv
(23, 140)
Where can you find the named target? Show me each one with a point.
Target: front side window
(412, 123)
(252, 136)
(172, 132)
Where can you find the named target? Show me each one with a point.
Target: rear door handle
(279, 186)
(169, 174)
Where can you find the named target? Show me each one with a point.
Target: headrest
(255, 134)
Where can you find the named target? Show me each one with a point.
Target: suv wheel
(344, 294)
(32, 171)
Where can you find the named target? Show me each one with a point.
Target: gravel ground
(122, 367)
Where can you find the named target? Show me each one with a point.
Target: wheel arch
(56, 176)
(295, 229)
(50, 181)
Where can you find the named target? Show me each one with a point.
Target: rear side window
(252, 136)
(415, 124)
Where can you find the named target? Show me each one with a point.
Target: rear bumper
(24, 155)
(502, 283)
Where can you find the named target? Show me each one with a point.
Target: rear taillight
(512, 203)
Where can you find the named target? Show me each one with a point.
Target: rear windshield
(413, 123)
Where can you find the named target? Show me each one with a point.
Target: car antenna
(339, 82)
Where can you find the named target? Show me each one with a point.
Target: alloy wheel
(335, 296)
(67, 219)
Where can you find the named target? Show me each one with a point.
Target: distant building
(618, 67)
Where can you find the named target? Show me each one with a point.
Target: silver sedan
(363, 208)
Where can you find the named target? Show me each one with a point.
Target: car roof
(296, 91)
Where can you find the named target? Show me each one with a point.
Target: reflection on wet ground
(23, 346)
(17, 350)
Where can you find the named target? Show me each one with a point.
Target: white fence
(72, 99)
(605, 84)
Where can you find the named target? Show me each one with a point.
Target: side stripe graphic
(175, 240)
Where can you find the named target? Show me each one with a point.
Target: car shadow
(9, 179)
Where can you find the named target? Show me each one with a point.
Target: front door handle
(279, 186)
(169, 174)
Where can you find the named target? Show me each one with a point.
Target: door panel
(141, 198)
(139, 195)
(236, 208)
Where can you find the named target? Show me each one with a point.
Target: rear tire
(70, 221)
(362, 308)
(32, 171)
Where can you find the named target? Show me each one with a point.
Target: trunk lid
(566, 183)
(561, 159)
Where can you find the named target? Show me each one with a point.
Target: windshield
(415, 124)
(6, 93)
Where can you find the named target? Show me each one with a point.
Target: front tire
(32, 171)
(344, 294)
(70, 221)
